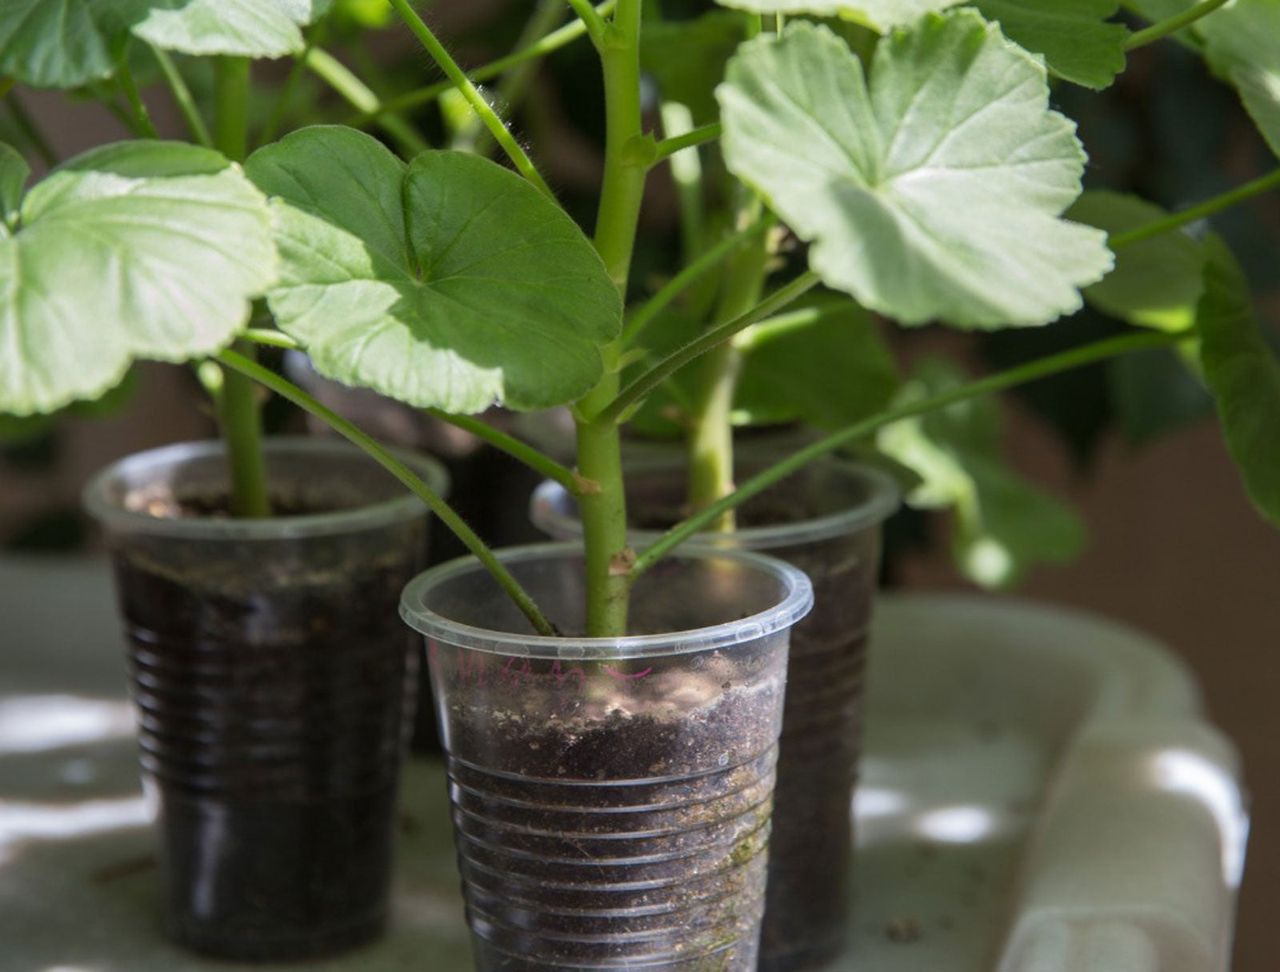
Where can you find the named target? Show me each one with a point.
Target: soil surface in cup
(272, 681)
(612, 815)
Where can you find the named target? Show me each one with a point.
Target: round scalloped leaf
(247, 28)
(1242, 42)
(137, 250)
(932, 192)
(1156, 282)
(450, 282)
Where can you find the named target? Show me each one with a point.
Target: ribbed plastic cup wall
(274, 687)
(611, 797)
(826, 520)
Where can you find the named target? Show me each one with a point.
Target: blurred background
(1172, 545)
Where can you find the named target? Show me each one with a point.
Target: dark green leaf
(823, 364)
(1243, 373)
(1242, 42)
(451, 282)
(687, 58)
(1155, 394)
(1156, 282)
(1078, 39)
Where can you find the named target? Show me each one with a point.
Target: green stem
(472, 94)
(590, 19)
(514, 83)
(710, 436)
(182, 96)
(363, 98)
(604, 513)
(251, 370)
(698, 136)
(238, 415)
(31, 129)
(540, 48)
(275, 121)
(646, 383)
(707, 261)
(687, 174)
(538, 461)
(1205, 209)
(1067, 360)
(142, 117)
(241, 426)
(1172, 24)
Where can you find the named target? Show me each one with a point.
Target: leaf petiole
(1042, 368)
(380, 454)
(1171, 25)
(1201, 211)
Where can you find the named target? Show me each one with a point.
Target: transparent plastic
(273, 684)
(826, 521)
(611, 797)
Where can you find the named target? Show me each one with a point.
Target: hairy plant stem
(249, 370)
(710, 438)
(540, 48)
(1201, 211)
(446, 63)
(604, 513)
(1172, 25)
(535, 459)
(237, 407)
(1065, 361)
(363, 98)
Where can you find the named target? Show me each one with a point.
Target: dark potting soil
(272, 680)
(632, 833)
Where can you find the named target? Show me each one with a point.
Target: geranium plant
(909, 146)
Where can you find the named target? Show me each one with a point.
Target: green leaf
(1242, 43)
(69, 43)
(687, 58)
(1156, 282)
(1154, 394)
(823, 364)
(1003, 524)
(932, 192)
(135, 250)
(63, 43)
(1243, 373)
(881, 15)
(247, 28)
(1076, 37)
(14, 172)
(451, 282)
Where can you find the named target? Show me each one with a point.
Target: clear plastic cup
(826, 520)
(611, 796)
(273, 683)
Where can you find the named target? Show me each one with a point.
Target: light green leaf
(1242, 43)
(881, 15)
(451, 282)
(1003, 524)
(822, 363)
(932, 192)
(1156, 282)
(1076, 37)
(687, 58)
(247, 28)
(136, 250)
(1243, 373)
(14, 172)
